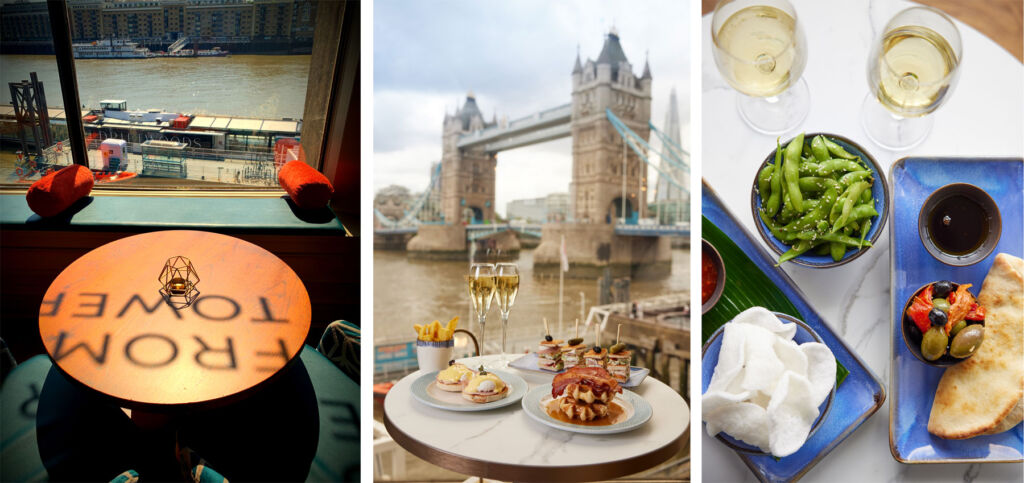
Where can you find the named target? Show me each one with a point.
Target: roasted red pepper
(918, 311)
(977, 313)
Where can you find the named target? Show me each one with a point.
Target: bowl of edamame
(819, 200)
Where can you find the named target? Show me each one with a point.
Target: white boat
(111, 49)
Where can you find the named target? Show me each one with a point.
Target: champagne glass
(761, 52)
(913, 67)
(481, 291)
(507, 286)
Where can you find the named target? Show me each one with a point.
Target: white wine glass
(506, 289)
(913, 67)
(761, 52)
(481, 290)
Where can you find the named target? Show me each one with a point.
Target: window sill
(263, 212)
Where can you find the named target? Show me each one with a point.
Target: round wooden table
(106, 325)
(508, 445)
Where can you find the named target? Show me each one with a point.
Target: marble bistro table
(982, 117)
(507, 444)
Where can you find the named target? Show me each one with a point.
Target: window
(229, 111)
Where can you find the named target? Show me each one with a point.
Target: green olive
(967, 341)
(941, 304)
(957, 328)
(933, 344)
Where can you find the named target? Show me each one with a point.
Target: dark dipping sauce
(615, 413)
(708, 276)
(958, 225)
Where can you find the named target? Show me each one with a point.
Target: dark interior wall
(31, 259)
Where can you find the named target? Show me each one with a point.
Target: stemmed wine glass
(481, 290)
(761, 52)
(913, 67)
(507, 286)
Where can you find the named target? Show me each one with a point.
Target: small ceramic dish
(987, 204)
(912, 334)
(709, 359)
(716, 261)
(879, 192)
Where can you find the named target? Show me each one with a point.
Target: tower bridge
(608, 120)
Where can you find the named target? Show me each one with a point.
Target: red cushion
(307, 187)
(57, 191)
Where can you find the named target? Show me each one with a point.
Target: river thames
(408, 291)
(261, 86)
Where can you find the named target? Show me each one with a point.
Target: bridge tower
(597, 149)
(467, 174)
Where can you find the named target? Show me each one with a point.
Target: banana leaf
(745, 286)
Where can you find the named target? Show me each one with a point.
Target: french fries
(435, 332)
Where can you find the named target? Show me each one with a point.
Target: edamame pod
(774, 229)
(832, 238)
(861, 212)
(837, 250)
(764, 180)
(837, 150)
(854, 192)
(819, 149)
(864, 228)
(816, 184)
(775, 197)
(796, 250)
(853, 177)
(791, 168)
(810, 169)
(835, 165)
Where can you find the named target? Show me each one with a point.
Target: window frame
(334, 69)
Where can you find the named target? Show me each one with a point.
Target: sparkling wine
(481, 291)
(507, 286)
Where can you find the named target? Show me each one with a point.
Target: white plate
(637, 412)
(425, 390)
(528, 362)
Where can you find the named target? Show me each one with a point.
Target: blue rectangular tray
(913, 382)
(859, 396)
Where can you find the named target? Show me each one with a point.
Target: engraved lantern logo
(178, 281)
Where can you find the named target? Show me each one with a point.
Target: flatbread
(982, 395)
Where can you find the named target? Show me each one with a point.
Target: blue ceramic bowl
(879, 191)
(709, 359)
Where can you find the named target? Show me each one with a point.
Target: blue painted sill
(123, 212)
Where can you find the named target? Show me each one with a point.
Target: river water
(407, 292)
(261, 86)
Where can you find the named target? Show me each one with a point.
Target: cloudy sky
(517, 57)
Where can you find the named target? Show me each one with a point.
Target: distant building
(392, 201)
(672, 203)
(597, 152)
(165, 20)
(24, 21)
(551, 208)
(467, 185)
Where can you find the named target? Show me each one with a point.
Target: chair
(383, 446)
(340, 343)
(19, 396)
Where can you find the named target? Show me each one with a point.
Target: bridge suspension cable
(411, 216)
(674, 148)
(633, 140)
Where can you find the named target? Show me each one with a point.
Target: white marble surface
(984, 116)
(507, 435)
